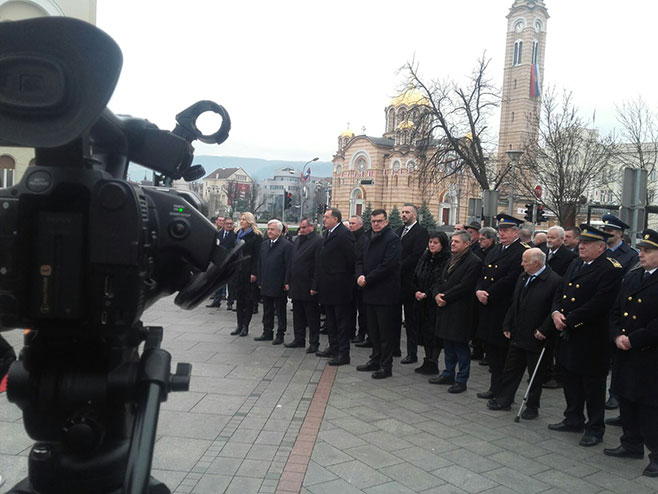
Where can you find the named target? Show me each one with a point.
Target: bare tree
(452, 133)
(638, 139)
(567, 159)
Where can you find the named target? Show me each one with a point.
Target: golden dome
(407, 124)
(347, 133)
(409, 97)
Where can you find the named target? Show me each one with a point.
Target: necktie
(225, 233)
(405, 231)
(530, 278)
(645, 275)
(271, 243)
(550, 254)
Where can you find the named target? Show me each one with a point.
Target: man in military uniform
(500, 270)
(634, 328)
(617, 248)
(580, 312)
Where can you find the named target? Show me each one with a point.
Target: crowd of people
(566, 306)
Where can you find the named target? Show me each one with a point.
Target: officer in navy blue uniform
(500, 270)
(634, 329)
(580, 312)
(617, 248)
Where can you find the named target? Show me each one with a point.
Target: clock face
(520, 24)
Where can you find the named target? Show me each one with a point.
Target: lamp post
(514, 156)
(301, 187)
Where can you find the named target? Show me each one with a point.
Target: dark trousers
(382, 320)
(306, 313)
(270, 306)
(582, 391)
(518, 360)
(640, 427)
(244, 311)
(457, 352)
(551, 370)
(496, 356)
(358, 319)
(7, 357)
(410, 326)
(338, 324)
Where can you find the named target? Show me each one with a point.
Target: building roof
(409, 97)
(222, 173)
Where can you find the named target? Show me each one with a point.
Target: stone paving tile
(193, 425)
(334, 487)
(389, 488)
(470, 460)
(324, 455)
(464, 478)
(177, 453)
(212, 484)
(567, 482)
(359, 474)
(445, 489)
(411, 477)
(341, 439)
(373, 456)
(384, 440)
(422, 458)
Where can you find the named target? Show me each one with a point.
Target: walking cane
(532, 379)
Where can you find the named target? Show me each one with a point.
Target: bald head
(533, 260)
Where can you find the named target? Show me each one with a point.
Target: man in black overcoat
(580, 312)
(378, 273)
(453, 293)
(500, 270)
(528, 324)
(272, 280)
(359, 317)
(227, 238)
(634, 328)
(617, 248)
(413, 237)
(558, 256)
(474, 229)
(301, 279)
(335, 285)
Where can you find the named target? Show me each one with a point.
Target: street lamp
(514, 156)
(301, 186)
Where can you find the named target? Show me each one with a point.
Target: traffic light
(287, 199)
(541, 214)
(528, 211)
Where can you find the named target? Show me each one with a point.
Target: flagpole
(302, 180)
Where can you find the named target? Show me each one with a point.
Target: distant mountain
(260, 169)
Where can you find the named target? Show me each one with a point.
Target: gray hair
(278, 224)
(537, 255)
(558, 229)
(489, 232)
(525, 235)
(409, 205)
(466, 236)
(358, 218)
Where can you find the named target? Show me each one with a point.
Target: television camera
(83, 252)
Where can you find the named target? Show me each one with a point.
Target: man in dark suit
(335, 285)
(272, 273)
(572, 238)
(227, 238)
(301, 279)
(634, 328)
(453, 294)
(580, 312)
(414, 239)
(617, 248)
(500, 270)
(355, 224)
(474, 229)
(527, 325)
(558, 256)
(378, 273)
(220, 223)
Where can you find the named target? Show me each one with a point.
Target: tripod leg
(532, 379)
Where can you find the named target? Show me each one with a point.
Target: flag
(307, 175)
(534, 81)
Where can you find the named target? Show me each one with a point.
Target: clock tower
(523, 73)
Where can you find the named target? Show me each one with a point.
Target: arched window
(7, 170)
(535, 51)
(395, 181)
(518, 49)
(390, 125)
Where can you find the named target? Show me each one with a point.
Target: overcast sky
(292, 73)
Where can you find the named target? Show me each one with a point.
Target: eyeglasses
(377, 221)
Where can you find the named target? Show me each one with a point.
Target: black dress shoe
(364, 344)
(616, 421)
(589, 440)
(409, 359)
(612, 403)
(428, 368)
(236, 331)
(323, 331)
(295, 344)
(441, 380)
(397, 353)
(325, 353)
(551, 384)
(264, 337)
(485, 395)
(312, 349)
(562, 427)
(340, 360)
(457, 388)
(278, 340)
(369, 367)
(484, 361)
(381, 374)
(357, 339)
(493, 404)
(622, 452)
(244, 332)
(229, 306)
(530, 414)
(652, 469)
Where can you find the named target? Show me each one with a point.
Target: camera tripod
(92, 404)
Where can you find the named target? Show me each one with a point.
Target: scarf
(454, 260)
(243, 233)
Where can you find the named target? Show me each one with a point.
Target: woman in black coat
(246, 290)
(427, 272)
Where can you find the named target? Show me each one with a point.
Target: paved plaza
(263, 419)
